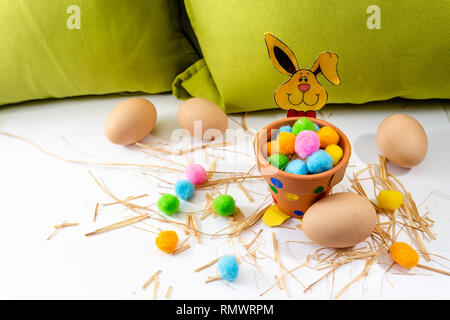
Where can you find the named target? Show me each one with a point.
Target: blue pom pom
(285, 129)
(319, 161)
(296, 166)
(184, 189)
(282, 129)
(316, 126)
(228, 267)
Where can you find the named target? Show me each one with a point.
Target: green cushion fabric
(406, 57)
(120, 46)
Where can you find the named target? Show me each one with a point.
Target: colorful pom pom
(404, 255)
(319, 161)
(270, 147)
(224, 205)
(335, 152)
(303, 124)
(316, 127)
(184, 189)
(306, 143)
(296, 166)
(278, 160)
(196, 173)
(228, 267)
(168, 204)
(285, 143)
(390, 199)
(167, 241)
(286, 128)
(327, 136)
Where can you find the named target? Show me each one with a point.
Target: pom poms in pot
(304, 148)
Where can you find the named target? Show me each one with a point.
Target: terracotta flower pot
(294, 193)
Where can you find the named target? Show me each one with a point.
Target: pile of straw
(406, 220)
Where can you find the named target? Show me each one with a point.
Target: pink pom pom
(195, 174)
(306, 143)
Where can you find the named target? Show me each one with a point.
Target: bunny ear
(282, 58)
(326, 63)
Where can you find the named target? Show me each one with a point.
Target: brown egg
(211, 120)
(340, 220)
(402, 140)
(130, 121)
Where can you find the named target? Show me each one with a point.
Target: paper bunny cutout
(302, 94)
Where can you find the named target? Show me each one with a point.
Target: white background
(38, 192)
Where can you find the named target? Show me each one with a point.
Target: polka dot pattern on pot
(299, 213)
(274, 200)
(273, 188)
(319, 189)
(277, 183)
(291, 196)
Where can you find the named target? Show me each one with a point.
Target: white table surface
(38, 192)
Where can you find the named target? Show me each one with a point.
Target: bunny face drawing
(302, 92)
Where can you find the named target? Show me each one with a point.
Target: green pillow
(393, 49)
(53, 49)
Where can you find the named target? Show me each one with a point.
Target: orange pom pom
(404, 255)
(327, 136)
(286, 143)
(270, 148)
(167, 241)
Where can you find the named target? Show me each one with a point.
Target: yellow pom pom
(390, 199)
(404, 255)
(285, 143)
(167, 241)
(327, 136)
(335, 152)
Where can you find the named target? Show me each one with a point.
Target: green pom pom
(224, 205)
(278, 160)
(303, 124)
(168, 204)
